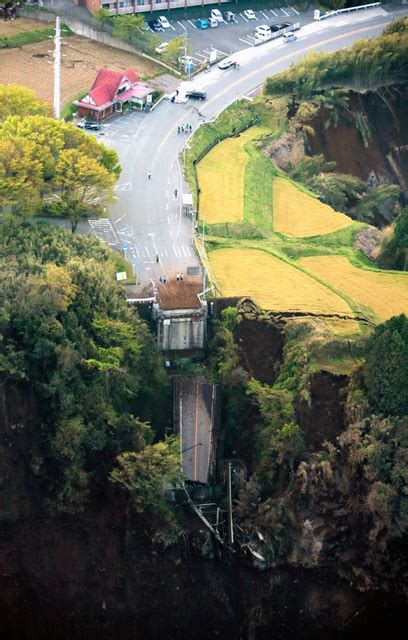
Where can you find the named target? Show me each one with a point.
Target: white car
(161, 48)
(216, 13)
(249, 14)
(263, 30)
(162, 20)
(213, 22)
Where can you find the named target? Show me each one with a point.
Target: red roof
(107, 83)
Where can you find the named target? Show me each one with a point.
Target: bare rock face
(368, 241)
(287, 151)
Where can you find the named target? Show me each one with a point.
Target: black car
(285, 25)
(275, 27)
(95, 126)
(155, 25)
(196, 94)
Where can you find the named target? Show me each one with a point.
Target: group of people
(185, 128)
(179, 276)
(163, 279)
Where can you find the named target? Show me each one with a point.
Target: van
(213, 22)
(288, 37)
(216, 13)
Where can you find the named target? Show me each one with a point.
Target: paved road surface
(195, 415)
(147, 216)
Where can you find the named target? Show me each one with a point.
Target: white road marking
(223, 53)
(201, 56)
(147, 251)
(181, 25)
(251, 38)
(275, 14)
(293, 9)
(176, 251)
(243, 17)
(285, 13)
(205, 51)
(246, 42)
(171, 26)
(192, 24)
(264, 15)
(235, 20)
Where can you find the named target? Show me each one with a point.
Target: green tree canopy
(146, 475)
(386, 368)
(20, 101)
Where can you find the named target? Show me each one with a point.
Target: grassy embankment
(30, 37)
(273, 240)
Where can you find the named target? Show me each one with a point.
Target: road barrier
(322, 16)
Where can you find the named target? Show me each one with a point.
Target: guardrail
(277, 34)
(318, 16)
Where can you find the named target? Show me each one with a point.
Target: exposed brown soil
(322, 416)
(385, 152)
(180, 294)
(29, 65)
(261, 343)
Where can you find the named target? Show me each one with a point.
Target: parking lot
(229, 37)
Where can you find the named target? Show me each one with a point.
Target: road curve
(150, 211)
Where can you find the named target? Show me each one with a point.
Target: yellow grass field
(221, 179)
(385, 293)
(298, 215)
(272, 283)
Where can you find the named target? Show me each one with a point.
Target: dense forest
(68, 334)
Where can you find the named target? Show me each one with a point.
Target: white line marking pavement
(221, 52)
(293, 9)
(147, 251)
(192, 24)
(275, 14)
(251, 38)
(243, 17)
(201, 56)
(256, 18)
(181, 25)
(205, 51)
(171, 26)
(284, 12)
(246, 42)
(235, 20)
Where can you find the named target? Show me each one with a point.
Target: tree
(20, 177)
(177, 47)
(394, 253)
(20, 101)
(103, 16)
(52, 167)
(386, 369)
(130, 27)
(147, 474)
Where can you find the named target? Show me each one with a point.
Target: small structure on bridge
(196, 409)
(181, 316)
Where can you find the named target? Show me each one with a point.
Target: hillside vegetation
(285, 212)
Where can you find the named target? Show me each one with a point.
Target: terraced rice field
(221, 179)
(298, 215)
(385, 293)
(272, 283)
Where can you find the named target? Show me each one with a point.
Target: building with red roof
(111, 91)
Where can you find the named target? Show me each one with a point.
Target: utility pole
(230, 525)
(57, 68)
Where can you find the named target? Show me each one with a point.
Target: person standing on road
(157, 257)
(178, 277)
(149, 175)
(175, 193)
(178, 129)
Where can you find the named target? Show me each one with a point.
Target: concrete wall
(181, 330)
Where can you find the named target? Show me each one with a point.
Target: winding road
(147, 215)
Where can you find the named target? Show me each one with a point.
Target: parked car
(213, 22)
(229, 16)
(196, 94)
(95, 126)
(274, 28)
(285, 25)
(249, 14)
(263, 30)
(226, 64)
(201, 23)
(288, 37)
(155, 25)
(161, 48)
(216, 13)
(162, 20)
